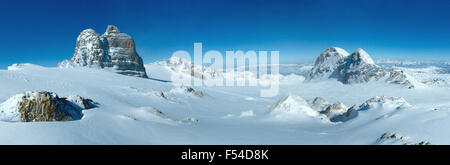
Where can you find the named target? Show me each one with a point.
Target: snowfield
(136, 110)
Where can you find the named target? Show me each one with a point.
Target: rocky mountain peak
(331, 54)
(87, 33)
(112, 50)
(111, 29)
(337, 50)
(328, 61)
(355, 68)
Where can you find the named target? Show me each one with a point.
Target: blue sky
(44, 32)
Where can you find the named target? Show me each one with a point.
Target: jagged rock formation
(111, 50)
(336, 112)
(350, 113)
(318, 108)
(291, 105)
(384, 102)
(44, 106)
(385, 107)
(395, 138)
(357, 67)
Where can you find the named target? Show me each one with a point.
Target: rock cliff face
(111, 50)
(357, 67)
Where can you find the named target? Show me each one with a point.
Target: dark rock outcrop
(46, 106)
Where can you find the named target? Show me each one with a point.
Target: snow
(134, 110)
(9, 108)
(292, 108)
(364, 56)
(328, 61)
(248, 113)
(341, 51)
(17, 67)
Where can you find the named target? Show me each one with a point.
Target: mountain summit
(357, 67)
(111, 50)
(328, 61)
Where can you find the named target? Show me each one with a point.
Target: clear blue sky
(44, 32)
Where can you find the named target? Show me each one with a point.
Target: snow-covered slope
(152, 111)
